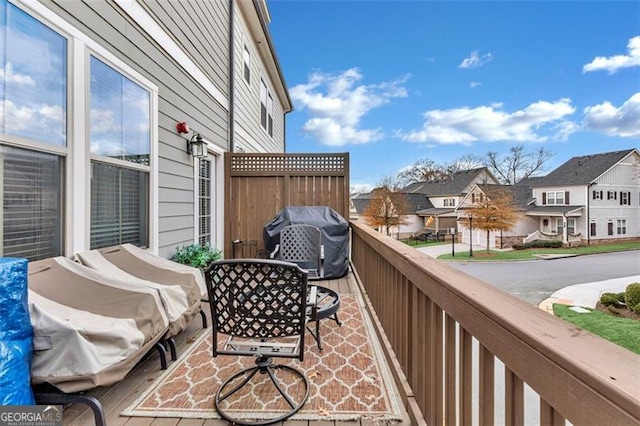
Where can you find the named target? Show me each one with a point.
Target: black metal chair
(260, 306)
(302, 245)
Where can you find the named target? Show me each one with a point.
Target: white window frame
(555, 198)
(77, 190)
(625, 198)
(246, 64)
(621, 226)
(266, 100)
(216, 158)
(597, 194)
(612, 195)
(559, 228)
(571, 221)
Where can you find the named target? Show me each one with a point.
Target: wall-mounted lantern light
(197, 147)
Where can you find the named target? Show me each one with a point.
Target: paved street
(535, 280)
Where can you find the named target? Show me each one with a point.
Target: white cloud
(612, 121)
(337, 104)
(41, 122)
(475, 60)
(490, 123)
(475, 84)
(617, 62)
(7, 74)
(361, 188)
(103, 121)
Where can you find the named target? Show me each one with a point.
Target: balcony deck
(116, 398)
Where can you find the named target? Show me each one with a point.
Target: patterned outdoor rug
(348, 380)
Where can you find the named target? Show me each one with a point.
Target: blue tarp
(15, 334)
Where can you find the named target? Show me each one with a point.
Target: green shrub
(538, 244)
(608, 299)
(196, 255)
(636, 309)
(620, 297)
(632, 295)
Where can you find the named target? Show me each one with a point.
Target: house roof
(415, 202)
(521, 193)
(361, 201)
(583, 170)
(436, 211)
(452, 186)
(555, 211)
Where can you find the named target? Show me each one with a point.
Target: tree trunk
(488, 240)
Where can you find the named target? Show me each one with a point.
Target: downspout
(232, 78)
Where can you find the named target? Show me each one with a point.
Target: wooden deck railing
(433, 315)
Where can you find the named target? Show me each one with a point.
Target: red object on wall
(182, 127)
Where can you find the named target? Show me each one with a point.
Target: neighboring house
(592, 198)
(446, 195)
(521, 194)
(413, 222)
(92, 92)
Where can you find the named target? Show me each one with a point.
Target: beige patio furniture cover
(89, 329)
(181, 287)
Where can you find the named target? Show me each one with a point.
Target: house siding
(623, 177)
(180, 98)
(182, 50)
(249, 134)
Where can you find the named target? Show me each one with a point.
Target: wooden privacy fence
(258, 186)
(468, 350)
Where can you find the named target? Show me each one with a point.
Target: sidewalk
(587, 294)
(440, 249)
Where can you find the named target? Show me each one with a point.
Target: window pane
(120, 115)
(33, 78)
(119, 206)
(31, 214)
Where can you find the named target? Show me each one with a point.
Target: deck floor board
(116, 398)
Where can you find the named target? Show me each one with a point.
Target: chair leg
(65, 399)
(171, 344)
(335, 318)
(204, 318)
(264, 366)
(163, 355)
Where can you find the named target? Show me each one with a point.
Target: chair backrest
(254, 299)
(301, 244)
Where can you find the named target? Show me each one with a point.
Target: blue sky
(392, 82)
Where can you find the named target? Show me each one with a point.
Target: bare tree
(517, 164)
(423, 170)
(426, 170)
(387, 207)
(493, 211)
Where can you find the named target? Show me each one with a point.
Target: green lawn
(624, 332)
(530, 253)
(418, 243)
